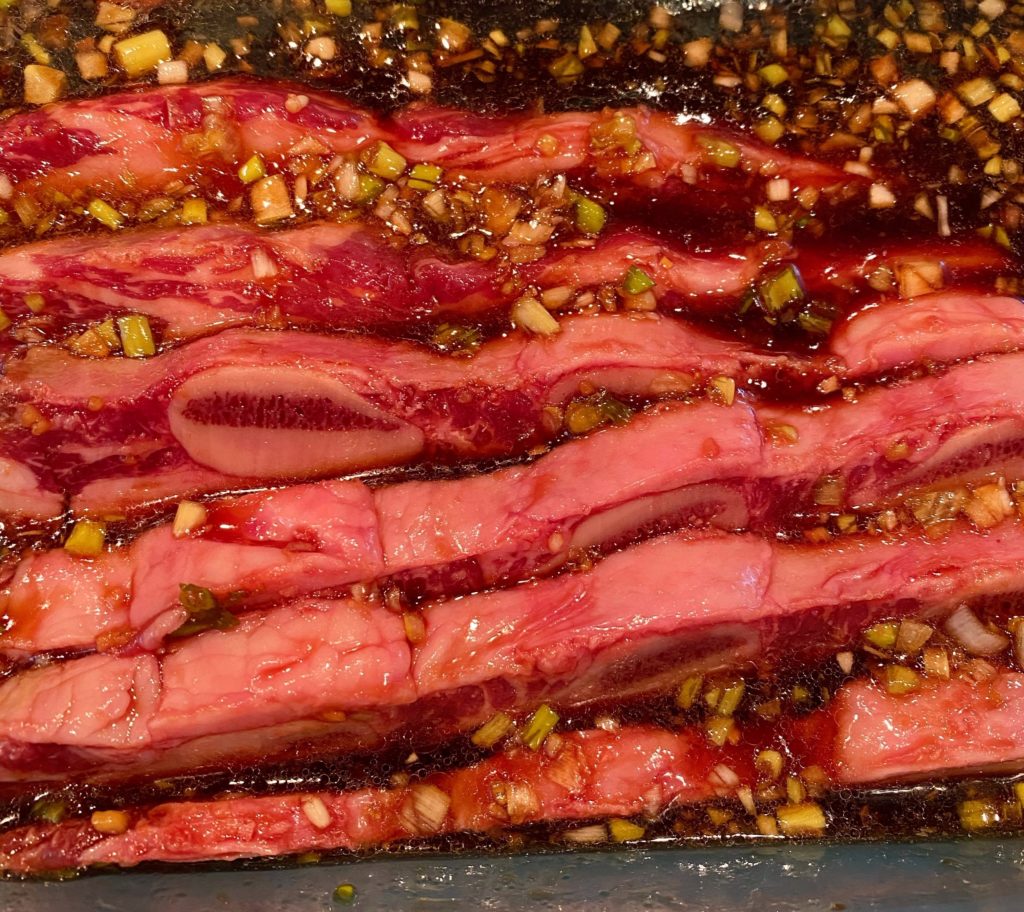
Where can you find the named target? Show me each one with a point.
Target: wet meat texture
(637, 623)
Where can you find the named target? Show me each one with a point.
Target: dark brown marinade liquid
(923, 161)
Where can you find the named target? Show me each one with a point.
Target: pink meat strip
(93, 144)
(637, 623)
(193, 281)
(947, 728)
(246, 407)
(730, 467)
(590, 774)
(954, 727)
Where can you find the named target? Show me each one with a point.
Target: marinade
(434, 428)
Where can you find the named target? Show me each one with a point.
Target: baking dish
(701, 875)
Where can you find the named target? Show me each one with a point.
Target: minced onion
(965, 627)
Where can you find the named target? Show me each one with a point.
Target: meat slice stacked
(565, 517)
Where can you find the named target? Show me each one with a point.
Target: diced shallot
(965, 627)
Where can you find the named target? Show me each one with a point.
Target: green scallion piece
(541, 724)
(370, 187)
(774, 74)
(386, 162)
(492, 731)
(194, 212)
(108, 334)
(636, 281)
(625, 830)
(195, 599)
(339, 7)
(900, 680)
(344, 894)
(722, 153)
(425, 177)
(883, 635)
(586, 413)
(204, 612)
(105, 214)
(780, 290)
(252, 171)
(814, 322)
(590, 216)
(688, 691)
(49, 810)
(456, 339)
(136, 336)
(86, 539)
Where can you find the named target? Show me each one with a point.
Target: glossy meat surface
(245, 407)
(152, 134)
(637, 623)
(592, 774)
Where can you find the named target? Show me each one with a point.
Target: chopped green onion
(806, 817)
(195, 599)
(404, 16)
(722, 153)
(386, 162)
(193, 212)
(586, 46)
(996, 233)
(492, 731)
(625, 830)
(882, 635)
(38, 52)
(105, 214)
(203, 611)
(344, 893)
(49, 810)
(566, 67)
(636, 281)
(731, 698)
(722, 390)
(977, 814)
(781, 289)
(770, 762)
(529, 314)
(837, 27)
(774, 74)
(764, 219)
(108, 334)
(718, 729)
(688, 691)
(770, 129)
(136, 336)
(586, 413)
(814, 322)
(370, 188)
(86, 539)
(590, 216)
(456, 339)
(252, 170)
(901, 680)
(141, 53)
(541, 724)
(1004, 107)
(425, 177)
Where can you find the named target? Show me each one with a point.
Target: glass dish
(972, 875)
